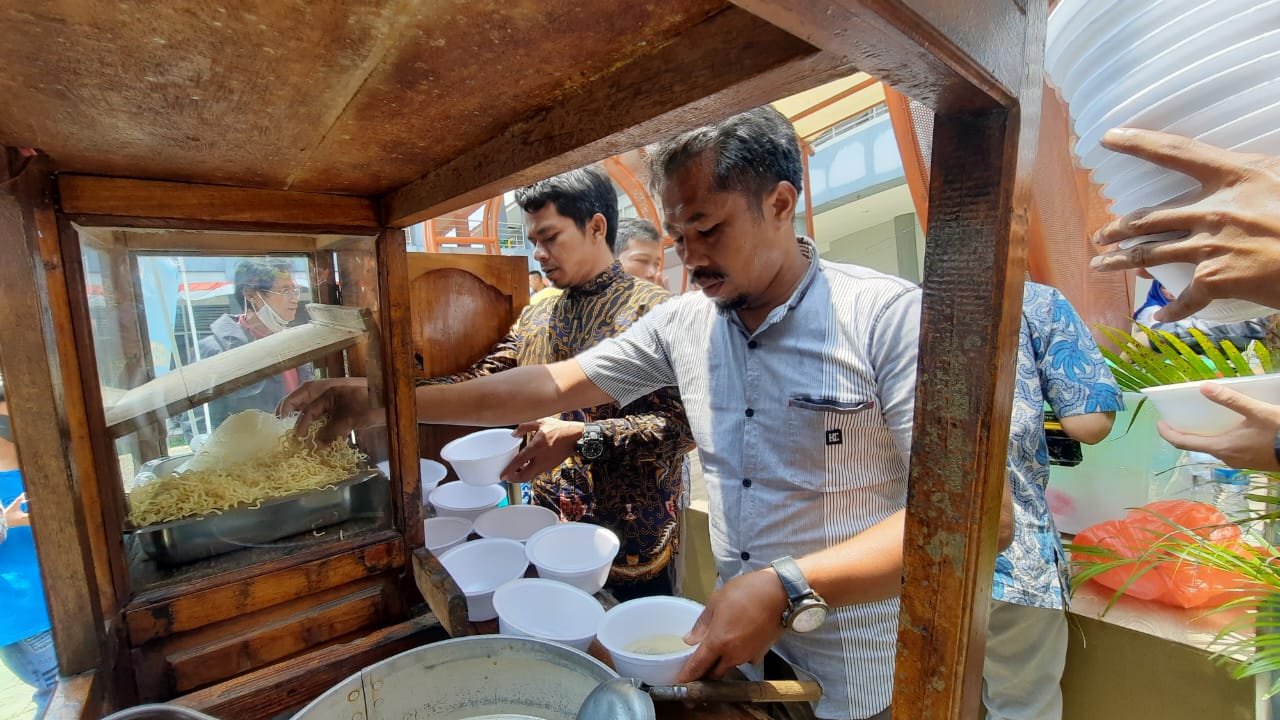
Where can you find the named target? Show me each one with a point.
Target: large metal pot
(483, 676)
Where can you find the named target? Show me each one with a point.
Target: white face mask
(268, 316)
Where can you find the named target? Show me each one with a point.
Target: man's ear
(780, 203)
(598, 227)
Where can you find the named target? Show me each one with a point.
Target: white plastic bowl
(579, 554)
(1183, 407)
(445, 532)
(482, 566)
(466, 501)
(478, 458)
(430, 472)
(641, 619)
(549, 610)
(517, 522)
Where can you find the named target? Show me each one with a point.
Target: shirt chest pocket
(830, 437)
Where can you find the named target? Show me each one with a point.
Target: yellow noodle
(297, 465)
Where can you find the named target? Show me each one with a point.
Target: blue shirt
(804, 428)
(1059, 364)
(21, 592)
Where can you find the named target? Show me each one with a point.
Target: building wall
(895, 246)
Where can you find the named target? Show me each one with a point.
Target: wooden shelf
(332, 328)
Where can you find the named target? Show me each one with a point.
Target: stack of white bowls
(1206, 69)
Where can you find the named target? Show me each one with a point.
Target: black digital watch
(592, 443)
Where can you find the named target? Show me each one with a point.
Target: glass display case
(197, 338)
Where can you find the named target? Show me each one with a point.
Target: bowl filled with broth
(645, 637)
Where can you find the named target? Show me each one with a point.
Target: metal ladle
(618, 699)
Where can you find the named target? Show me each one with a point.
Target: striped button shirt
(804, 431)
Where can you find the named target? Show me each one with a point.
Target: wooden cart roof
(355, 96)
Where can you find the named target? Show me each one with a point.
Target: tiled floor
(15, 697)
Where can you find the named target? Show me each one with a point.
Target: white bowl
(579, 554)
(429, 471)
(478, 458)
(517, 522)
(645, 620)
(480, 567)
(547, 609)
(466, 501)
(1183, 407)
(445, 532)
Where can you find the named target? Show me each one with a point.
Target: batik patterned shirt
(636, 488)
(1058, 363)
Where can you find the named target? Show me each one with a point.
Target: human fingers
(304, 395)
(1200, 160)
(1180, 215)
(1192, 299)
(701, 663)
(1250, 408)
(525, 428)
(514, 469)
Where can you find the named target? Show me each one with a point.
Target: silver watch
(806, 610)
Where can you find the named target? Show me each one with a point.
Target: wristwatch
(806, 610)
(592, 444)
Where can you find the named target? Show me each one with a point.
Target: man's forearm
(866, 567)
(510, 397)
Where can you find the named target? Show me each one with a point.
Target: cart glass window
(197, 337)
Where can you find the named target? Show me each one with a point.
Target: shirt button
(746, 482)
(753, 345)
(750, 412)
(746, 555)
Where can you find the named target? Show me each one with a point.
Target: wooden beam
(288, 685)
(122, 202)
(975, 262)
(949, 55)
(79, 697)
(730, 62)
(42, 393)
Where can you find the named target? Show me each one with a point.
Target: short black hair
(751, 153)
(259, 274)
(634, 229)
(578, 195)
(536, 272)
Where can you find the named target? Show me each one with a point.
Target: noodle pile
(295, 465)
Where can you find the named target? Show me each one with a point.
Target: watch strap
(793, 580)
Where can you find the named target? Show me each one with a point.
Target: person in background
(639, 249)
(1232, 235)
(26, 642)
(536, 281)
(266, 291)
(798, 376)
(543, 289)
(1060, 364)
(634, 485)
(1239, 334)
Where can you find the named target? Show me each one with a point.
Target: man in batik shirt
(634, 487)
(1059, 364)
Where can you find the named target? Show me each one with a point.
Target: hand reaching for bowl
(1251, 445)
(742, 620)
(553, 440)
(1232, 225)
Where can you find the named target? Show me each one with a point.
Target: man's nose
(539, 253)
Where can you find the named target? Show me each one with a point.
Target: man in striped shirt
(798, 379)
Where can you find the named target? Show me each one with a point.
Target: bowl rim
(444, 451)
(558, 586)
(514, 509)
(638, 602)
(532, 543)
(477, 546)
(1239, 380)
(431, 497)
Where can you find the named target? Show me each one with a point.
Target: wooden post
(51, 438)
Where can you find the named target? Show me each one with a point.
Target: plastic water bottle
(1230, 493)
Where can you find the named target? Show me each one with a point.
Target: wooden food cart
(317, 132)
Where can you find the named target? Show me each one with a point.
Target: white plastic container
(579, 554)
(482, 566)
(445, 532)
(466, 501)
(1183, 407)
(516, 522)
(548, 610)
(430, 472)
(480, 457)
(643, 620)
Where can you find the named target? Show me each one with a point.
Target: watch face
(592, 449)
(808, 618)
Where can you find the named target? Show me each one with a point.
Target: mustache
(705, 277)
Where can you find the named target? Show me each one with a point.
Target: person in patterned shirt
(636, 487)
(1058, 363)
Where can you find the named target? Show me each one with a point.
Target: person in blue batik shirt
(26, 644)
(1058, 363)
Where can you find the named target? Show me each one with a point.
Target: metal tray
(182, 541)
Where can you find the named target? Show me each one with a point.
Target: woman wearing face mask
(269, 296)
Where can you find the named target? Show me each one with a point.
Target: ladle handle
(754, 691)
